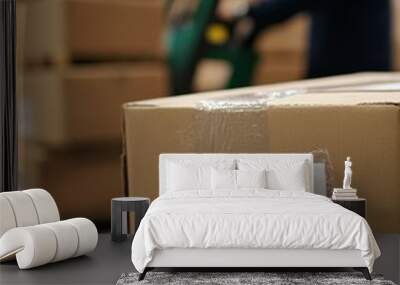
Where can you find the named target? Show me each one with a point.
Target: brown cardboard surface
(364, 124)
(82, 182)
(64, 30)
(280, 66)
(82, 104)
(283, 51)
(266, 74)
(369, 134)
(291, 35)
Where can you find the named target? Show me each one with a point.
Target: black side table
(358, 205)
(119, 208)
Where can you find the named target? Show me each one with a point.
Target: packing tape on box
(260, 100)
(218, 121)
(246, 102)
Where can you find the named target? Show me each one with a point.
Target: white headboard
(165, 157)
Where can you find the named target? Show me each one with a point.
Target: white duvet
(250, 219)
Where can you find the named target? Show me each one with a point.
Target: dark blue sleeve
(270, 12)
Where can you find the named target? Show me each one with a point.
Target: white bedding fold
(250, 219)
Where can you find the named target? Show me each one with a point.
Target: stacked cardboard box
(82, 103)
(84, 59)
(355, 115)
(81, 181)
(79, 29)
(283, 51)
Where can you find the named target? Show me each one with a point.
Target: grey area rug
(273, 278)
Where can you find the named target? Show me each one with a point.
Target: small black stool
(119, 208)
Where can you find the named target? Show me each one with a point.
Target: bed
(246, 211)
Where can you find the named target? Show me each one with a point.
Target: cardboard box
(280, 66)
(289, 36)
(283, 51)
(267, 75)
(82, 104)
(358, 121)
(66, 30)
(82, 182)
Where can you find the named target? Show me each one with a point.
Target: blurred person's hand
(230, 10)
(236, 11)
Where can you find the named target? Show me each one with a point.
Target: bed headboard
(307, 157)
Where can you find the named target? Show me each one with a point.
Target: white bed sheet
(250, 218)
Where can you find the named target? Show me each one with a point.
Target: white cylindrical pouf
(41, 244)
(87, 234)
(45, 205)
(7, 218)
(67, 240)
(30, 230)
(34, 246)
(23, 208)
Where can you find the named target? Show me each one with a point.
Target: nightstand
(119, 209)
(358, 205)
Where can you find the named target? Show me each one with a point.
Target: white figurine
(347, 174)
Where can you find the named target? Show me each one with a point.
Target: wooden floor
(110, 260)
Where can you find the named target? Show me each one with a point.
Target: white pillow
(188, 177)
(251, 178)
(223, 179)
(237, 179)
(290, 179)
(281, 174)
(189, 174)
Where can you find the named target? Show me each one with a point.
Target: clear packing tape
(246, 102)
(233, 123)
(260, 100)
